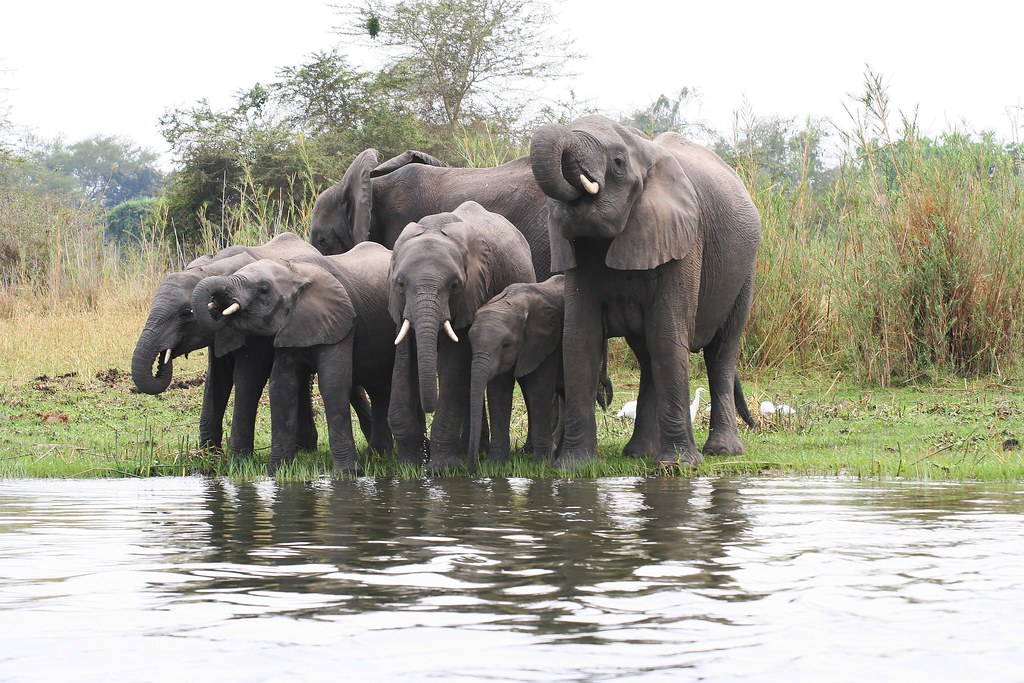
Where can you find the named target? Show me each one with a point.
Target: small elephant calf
(517, 335)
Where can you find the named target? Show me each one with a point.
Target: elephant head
(608, 182)
(515, 331)
(299, 304)
(440, 275)
(171, 329)
(343, 213)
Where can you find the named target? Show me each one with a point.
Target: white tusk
(402, 332)
(450, 331)
(589, 185)
(211, 305)
(167, 356)
(233, 308)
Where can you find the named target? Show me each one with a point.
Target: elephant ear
(358, 194)
(409, 156)
(468, 228)
(543, 335)
(227, 340)
(664, 222)
(563, 256)
(321, 310)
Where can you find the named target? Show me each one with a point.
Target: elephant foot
(210, 445)
(306, 445)
(681, 459)
(722, 443)
(411, 450)
(381, 446)
(573, 459)
(438, 464)
(638, 448)
(347, 470)
(240, 455)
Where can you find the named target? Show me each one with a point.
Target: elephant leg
(364, 412)
(583, 338)
(446, 430)
(499, 403)
(216, 391)
(253, 363)
(405, 416)
(380, 439)
(285, 378)
(720, 358)
(334, 374)
(306, 436)
(646, 439)
(669, 327)
(541, 406)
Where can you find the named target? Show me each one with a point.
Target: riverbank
(86, 421)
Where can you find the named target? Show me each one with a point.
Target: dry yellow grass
(39, 339)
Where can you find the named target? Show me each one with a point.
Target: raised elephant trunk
(558, 157)
(480, 375)
(213, 302)
(147, 350)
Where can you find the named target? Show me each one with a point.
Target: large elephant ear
(358, 194)
(665, 220)
(321, 310)
(543, 336)
(468, 229)
(409, 156)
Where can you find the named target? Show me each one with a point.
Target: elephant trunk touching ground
(482, 371)
(148, 349)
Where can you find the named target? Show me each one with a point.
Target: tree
(669, 114)
(465, 56)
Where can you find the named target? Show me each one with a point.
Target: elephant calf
(326, 315)
(517, 336)
(444, 268)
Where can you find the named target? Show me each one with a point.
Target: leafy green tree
(124, 221)
(465, 56)
(667, 113)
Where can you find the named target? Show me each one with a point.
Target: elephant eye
(186, 313)
(264, 288)
(619, 162)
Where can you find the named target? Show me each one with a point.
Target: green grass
(92, 425)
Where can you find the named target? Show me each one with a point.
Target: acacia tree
(465, 55)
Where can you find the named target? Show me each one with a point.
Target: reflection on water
(510, 579)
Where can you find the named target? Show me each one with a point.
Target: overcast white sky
(113, 66)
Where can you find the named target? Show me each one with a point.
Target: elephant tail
(741, 404)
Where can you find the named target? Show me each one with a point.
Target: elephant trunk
(481, 374)
(212, 302)
(146, 351)
(426, 322)
(559, 159)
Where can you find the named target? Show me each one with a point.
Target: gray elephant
(443, 269)
(326, 315)
(171, 330)
(375, 201)
(517, 336)
(658, 240)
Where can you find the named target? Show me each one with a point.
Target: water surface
(511, 579)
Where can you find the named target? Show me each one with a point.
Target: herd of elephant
(424, 286)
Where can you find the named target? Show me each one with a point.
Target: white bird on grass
(769, 409)
(629, 408)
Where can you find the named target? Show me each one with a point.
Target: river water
(626, 579)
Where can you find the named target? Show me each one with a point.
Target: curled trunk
(552, 151)
(211, 290)
(148, 350)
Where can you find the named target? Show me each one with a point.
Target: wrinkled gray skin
(172, 325)
(444, 268)
(658, 243)
(517, 336)
(325, 315)
(375, 201)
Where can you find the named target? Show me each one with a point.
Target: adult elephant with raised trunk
(443, 268)
(658, 241)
